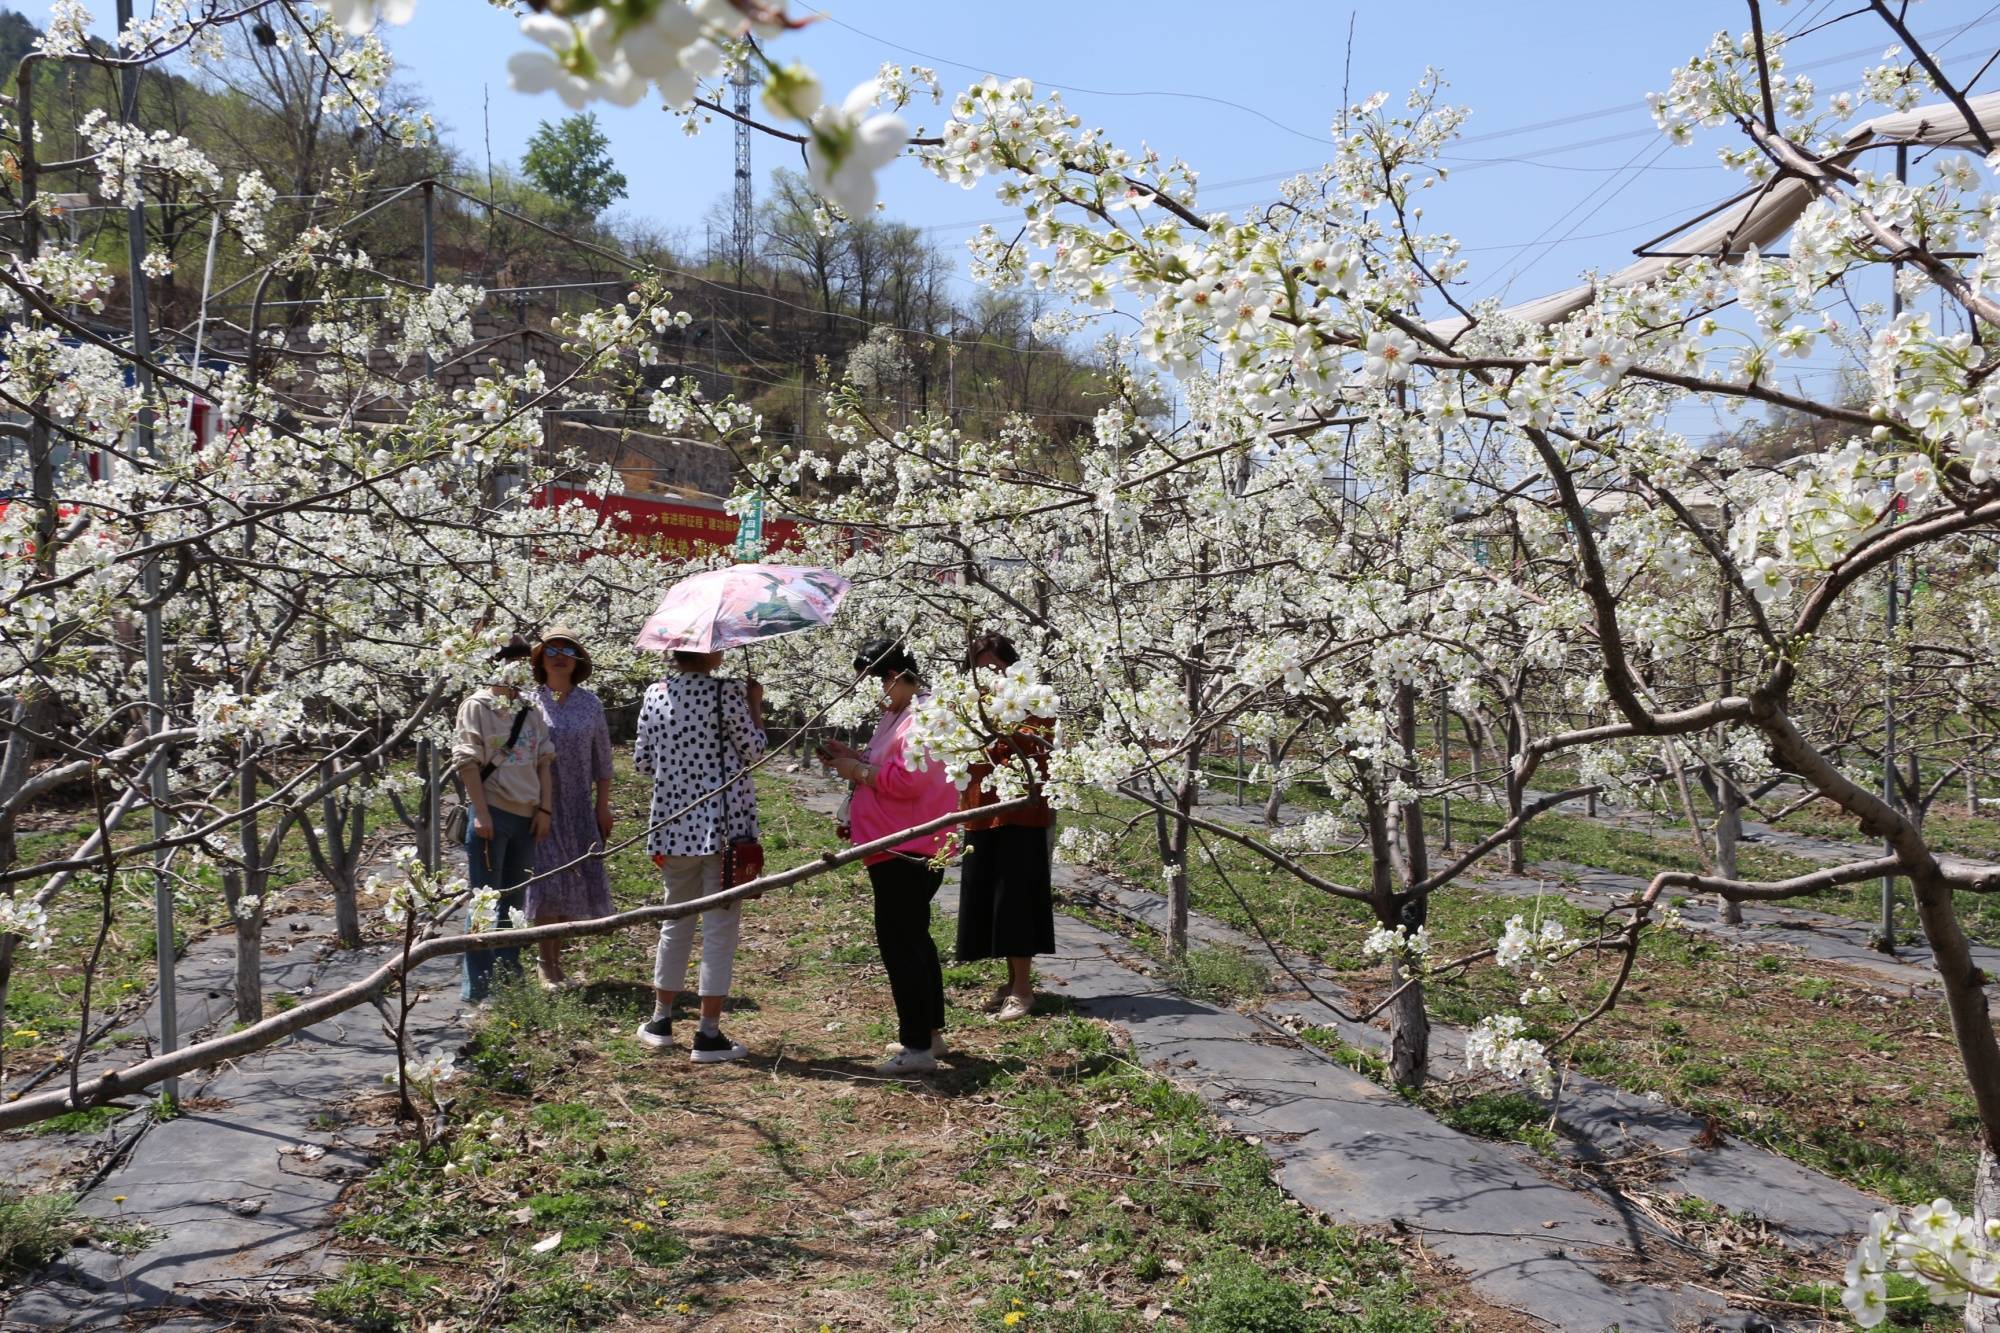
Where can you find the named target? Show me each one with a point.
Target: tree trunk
(248, 882)
(1415, 851)
(1517, 846)
(249, 970)
(1177, 885)
(7, 943)
(1275, 753)
(249, 950)
(1409, 1032)
(336, 853)
(346, 907)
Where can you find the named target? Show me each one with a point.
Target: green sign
(750, 529)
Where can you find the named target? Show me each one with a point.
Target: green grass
(1217, 974)
(372, 1297)
(1507, 1116)
(34, 1228)
(1151, 1193)
(88, 1121)
(46, 990)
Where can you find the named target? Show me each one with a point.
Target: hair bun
(885, 656)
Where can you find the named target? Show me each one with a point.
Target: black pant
(1005, 909)
(903, 893)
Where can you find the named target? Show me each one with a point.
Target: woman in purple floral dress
(569, 882)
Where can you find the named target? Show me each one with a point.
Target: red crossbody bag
(742, 858)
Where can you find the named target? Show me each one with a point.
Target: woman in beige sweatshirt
(503, 754)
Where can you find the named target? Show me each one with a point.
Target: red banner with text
(670, 529)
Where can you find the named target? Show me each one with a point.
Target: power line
(1507, 280)
(1463, 165)
(1076, 88)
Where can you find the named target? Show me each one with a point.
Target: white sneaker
(907, 1061)
(1014, 1007)
(938, 1049)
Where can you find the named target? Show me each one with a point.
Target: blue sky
(1244, 92)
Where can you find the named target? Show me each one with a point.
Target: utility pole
(743, 214)
(164, 952)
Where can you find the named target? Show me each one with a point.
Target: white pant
(689, 878)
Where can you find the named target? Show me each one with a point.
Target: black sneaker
(657, 1032)
(709, 1050)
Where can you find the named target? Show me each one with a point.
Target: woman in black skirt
(1004, 906)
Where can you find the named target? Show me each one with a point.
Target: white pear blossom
(846, 146)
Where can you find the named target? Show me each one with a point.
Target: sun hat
(562, 634)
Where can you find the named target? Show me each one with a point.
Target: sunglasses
(561, 650)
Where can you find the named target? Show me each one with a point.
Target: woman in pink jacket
(888, 797)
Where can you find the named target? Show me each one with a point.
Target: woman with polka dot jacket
(697, 735)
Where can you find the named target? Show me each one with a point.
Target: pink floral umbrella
(726, 608)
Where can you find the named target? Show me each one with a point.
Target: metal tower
(741, 244)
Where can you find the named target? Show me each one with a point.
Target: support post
(1444, 767)
(164, 951)
(430, 843)
(1886, 937)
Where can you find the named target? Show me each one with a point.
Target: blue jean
(505, 861)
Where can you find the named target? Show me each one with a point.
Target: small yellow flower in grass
(1018, 1300)
(1012, 1317)
(682, 1308)
(117, 1198)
